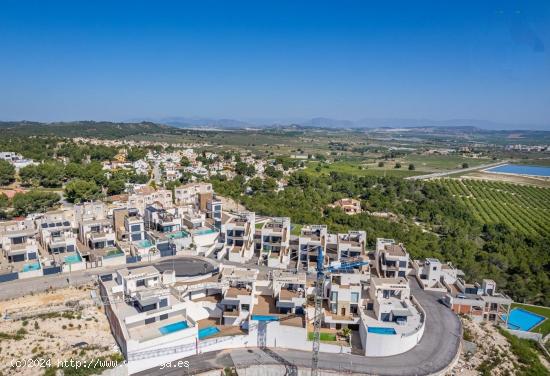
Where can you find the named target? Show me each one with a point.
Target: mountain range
(324, 122)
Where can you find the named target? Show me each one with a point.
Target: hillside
(82, 128)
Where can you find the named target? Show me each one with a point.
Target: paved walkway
(436, 350)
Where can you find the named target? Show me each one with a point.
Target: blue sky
(347, 60)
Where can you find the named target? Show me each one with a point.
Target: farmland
(524, 208)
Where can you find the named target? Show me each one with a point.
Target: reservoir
(521, 170)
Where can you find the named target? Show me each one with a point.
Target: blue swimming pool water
(178, 235)
(73, 258)
(208, 331)
(30, 267)
(522, 170)
(265, 318)
(204, 231)
(521, 319)
(144, 243)
(377, 330)
(175, 327)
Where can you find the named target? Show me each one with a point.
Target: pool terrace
(146, 332)
(542, 327)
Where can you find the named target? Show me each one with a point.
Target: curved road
(437, 349)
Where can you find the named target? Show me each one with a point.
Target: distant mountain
(191, 122)
(324, 122)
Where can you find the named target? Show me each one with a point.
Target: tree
(4, 201)
(33, 201)
(242, 168)
(51, 174)
(185, 162)
(79, 190)
(7, 172)
(29, 176)
(398, 165)
(411, 167)
(465, 165)
(135, 154)
(272, 172)
(380, 164)
(115, 186)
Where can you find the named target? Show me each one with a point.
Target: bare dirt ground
(492, 356)
(480, 175)
(49, 325)
(493, 351)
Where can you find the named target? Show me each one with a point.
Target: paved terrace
(437, 349)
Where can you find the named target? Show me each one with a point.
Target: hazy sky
(119, 60)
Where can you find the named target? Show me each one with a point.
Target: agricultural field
(438, 163)
(525, 208)
(358, 169)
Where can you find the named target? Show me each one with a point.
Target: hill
(96, 129)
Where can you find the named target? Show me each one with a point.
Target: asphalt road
(183, 265)
(436, 350)
(458, 170)
(186, 267)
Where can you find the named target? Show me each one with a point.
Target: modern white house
(391, 259)
(393, 321)
(272, 242)
(351, 245)
(188, 194)
(311, 238)
(239, 237)
(19, 248)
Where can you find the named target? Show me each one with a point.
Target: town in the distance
(151, 249)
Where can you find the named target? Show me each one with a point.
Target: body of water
(521, 170)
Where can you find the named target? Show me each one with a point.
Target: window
(163, 302)
(354, 297)
(150, 320)
(163, 317)
(135, 228)
(334, 295)
(402, 264)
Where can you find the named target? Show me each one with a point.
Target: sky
(120, 60)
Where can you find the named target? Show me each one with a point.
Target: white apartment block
(351, 245)
(391, 259)
(147, 196)
(189, 193)
(273, 242)
(312, 237)
(239, 237)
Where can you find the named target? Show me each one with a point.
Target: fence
(8, 277)
(132, 259)
(52, 270)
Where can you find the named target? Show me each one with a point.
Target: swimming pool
(521, 170)
(208, 331)
(521, 319)
(31, 267)
(265, 318)
(205, 231)
(73, 258)
(144, 243)
(178, 235)
(175, 327)
(379, 330)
